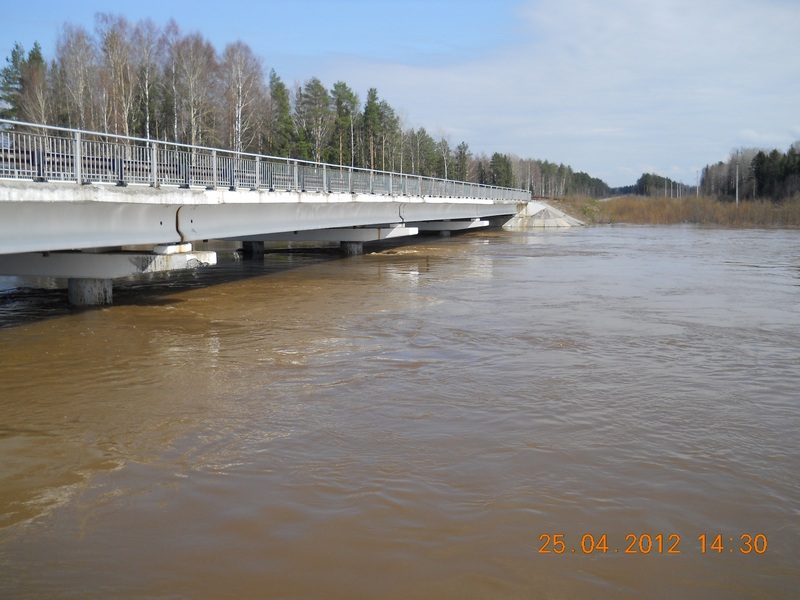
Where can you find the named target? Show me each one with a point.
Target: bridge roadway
(75, 204)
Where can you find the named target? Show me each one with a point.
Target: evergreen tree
(345, 103)
(500, 173)
(461, 166)
(424, 150)
(314, 117)
(23, 84)
(371, 124)
(279, 126)
(388, 131)
(35, 101)
(11, 82)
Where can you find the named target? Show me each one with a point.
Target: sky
(614, 88)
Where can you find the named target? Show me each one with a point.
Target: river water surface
(543, 414)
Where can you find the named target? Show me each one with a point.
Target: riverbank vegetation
(700, 210)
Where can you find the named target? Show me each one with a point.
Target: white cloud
(611, 87)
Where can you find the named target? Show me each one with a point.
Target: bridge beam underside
(90, 274)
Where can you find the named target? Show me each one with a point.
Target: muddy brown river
(605, 412)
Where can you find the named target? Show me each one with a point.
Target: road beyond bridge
(81, 205)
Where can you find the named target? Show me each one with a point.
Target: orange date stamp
(646, 543)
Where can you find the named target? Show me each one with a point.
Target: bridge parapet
(44, 153)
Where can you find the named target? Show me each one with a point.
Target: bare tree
(148, 47)
(443, 148)
(195, 85)
(36, 95)
(77, 61)
(172, 36)
(117, 72)
(243, 86)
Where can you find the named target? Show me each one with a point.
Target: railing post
(39, 159)
(120, 167)
(214, 171)
(325, 178)
(295, 176)
(350, 179)
(391, 189)
(76, 157)
(258, 172)
(154, 164)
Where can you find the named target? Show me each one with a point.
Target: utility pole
(737, 179)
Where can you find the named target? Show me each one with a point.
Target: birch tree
(77, 64)
(117, 73)
(243, 85)
(196, 71)
(148, 48)
(444, 156)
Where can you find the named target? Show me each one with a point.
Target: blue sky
(613, 88)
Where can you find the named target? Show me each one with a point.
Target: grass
(667, 211)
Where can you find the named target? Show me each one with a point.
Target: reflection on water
(409, 423)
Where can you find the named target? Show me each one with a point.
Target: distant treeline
(757, 174)
(142, 80)
(650, 184)
(761, 174)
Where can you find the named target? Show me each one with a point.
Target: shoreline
(640, 210)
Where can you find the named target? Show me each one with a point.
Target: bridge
(91, 207)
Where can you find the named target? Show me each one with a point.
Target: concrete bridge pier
(89, 292)
(352, 248)
(253, 249)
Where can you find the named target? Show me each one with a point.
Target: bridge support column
(352, 248)
(89, 292)
(253, 249)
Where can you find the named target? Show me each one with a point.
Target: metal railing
(46, 153)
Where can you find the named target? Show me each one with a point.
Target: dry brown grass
(667, 211)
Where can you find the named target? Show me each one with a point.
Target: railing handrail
(77, 134)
